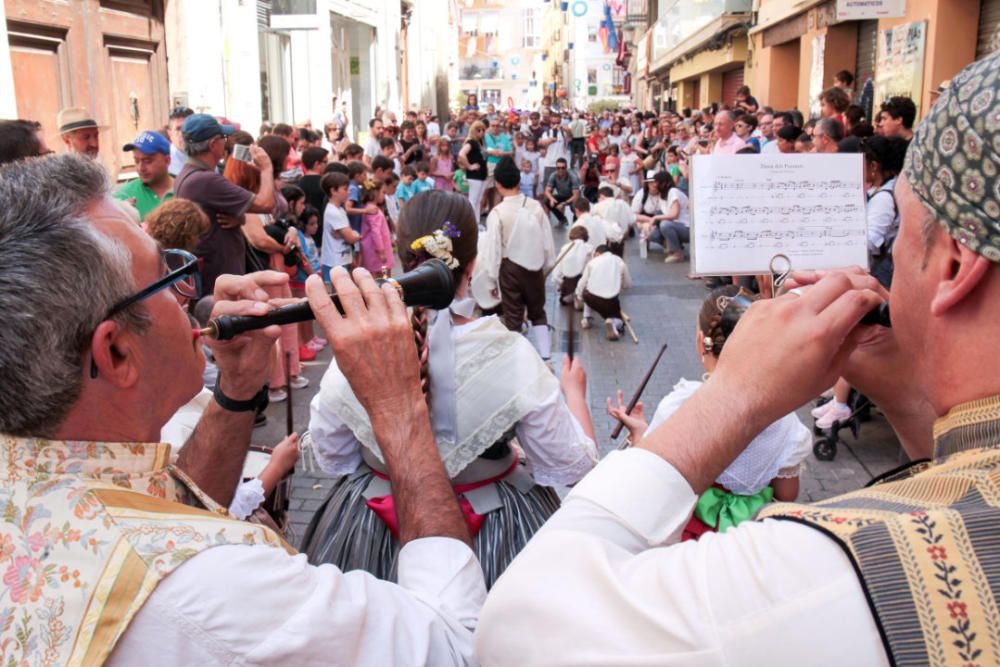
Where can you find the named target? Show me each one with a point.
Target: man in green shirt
(155, 185)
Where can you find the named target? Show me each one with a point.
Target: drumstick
(628, 326)
(638, 393)
(569, 336)
(289, 421)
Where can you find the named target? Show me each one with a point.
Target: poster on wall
(859, 10)
(900, 66)
(816, 74)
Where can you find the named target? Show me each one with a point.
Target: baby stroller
(825, 444)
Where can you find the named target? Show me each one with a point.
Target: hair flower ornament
(437, 245)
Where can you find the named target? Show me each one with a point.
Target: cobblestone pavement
(663, 306)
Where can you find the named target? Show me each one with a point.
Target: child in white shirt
(605, 276)
(567, 272)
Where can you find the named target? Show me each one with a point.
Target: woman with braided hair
(768, 469)
(486, 387)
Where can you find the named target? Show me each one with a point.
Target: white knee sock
(543, 340)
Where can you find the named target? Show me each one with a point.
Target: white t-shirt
(373, 147)
(653, 206)
(336, 251)
(677, 195)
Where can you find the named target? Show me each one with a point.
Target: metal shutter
(864, 66)
(731, 80)
(989, 28)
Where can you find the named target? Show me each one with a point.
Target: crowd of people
(443, 540)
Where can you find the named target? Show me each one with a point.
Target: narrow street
(663, 305)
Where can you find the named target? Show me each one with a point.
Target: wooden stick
(569, 335)
(628, 326)
(638, 392)
(289, 420)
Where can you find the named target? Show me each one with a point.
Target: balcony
(469, 72)
(636, 13)
(685, 25)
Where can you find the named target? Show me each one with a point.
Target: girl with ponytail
(486, 387)
(768, 469)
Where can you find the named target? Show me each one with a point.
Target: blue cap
(149, 143)
(201, 126)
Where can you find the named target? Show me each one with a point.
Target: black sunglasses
(182, 275)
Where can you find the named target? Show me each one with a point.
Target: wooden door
(132, 98)
(38, 60)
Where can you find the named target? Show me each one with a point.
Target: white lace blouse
(555, 446)
(779, 450)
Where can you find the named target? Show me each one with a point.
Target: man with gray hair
(114, 556)
(905, 571)
(827, 135)
(223, 248)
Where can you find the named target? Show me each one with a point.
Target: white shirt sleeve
(584, 278)
(605, 583)
(256, 605)
(881, 214)
(334, 446)
(557, 449)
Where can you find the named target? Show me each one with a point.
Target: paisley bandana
(953, 162)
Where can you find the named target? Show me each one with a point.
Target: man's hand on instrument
(372, 343)
(786, 351)
(244, 362)
(635, 423)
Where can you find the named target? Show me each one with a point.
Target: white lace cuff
(248, 497)
(791, 471)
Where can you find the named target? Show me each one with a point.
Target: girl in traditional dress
(768, 469)
(506, 428)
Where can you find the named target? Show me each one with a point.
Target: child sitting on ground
(768, 469)
(566, 274)
(603, 279)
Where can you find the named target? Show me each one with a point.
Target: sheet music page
(745, 209)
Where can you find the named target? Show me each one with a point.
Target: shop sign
(859, 10)
(900, 66)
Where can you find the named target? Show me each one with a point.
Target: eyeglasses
(182, 111)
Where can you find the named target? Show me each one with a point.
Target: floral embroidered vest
(88, 530)
(925, 541)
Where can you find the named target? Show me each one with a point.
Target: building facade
(107, 56)
(896, 48)
(500, 52)
(696, 52)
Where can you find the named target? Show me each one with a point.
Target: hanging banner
(900, 66)
(816, 73)
(859, 10)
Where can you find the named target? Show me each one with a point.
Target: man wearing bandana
(905, 571)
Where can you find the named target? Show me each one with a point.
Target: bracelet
(258, 402)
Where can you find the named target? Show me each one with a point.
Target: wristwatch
(258, 402)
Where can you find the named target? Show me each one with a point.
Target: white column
(8, 102)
